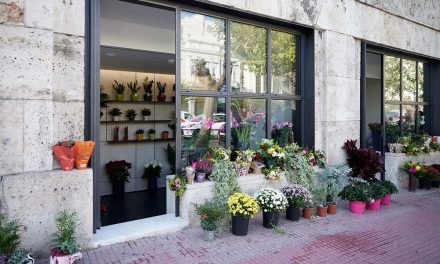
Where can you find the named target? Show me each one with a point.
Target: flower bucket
(386, 200)
(307, 212)
(270, 219)
(83, 151)
(357, 207)
(240, 225)
(322, 211)
(375, 205)
(68, 259)
(293, 213)
(65, 156)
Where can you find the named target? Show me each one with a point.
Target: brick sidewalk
(407, 231)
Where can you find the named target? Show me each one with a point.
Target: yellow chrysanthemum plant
(242, 204)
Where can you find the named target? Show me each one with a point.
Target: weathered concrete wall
(36, 199)
(340, 25)
(42, 80)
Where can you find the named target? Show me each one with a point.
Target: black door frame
(92, 68)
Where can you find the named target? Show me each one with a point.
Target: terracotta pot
(161, 98)
(386, 200)
(125, 138)
(165, 134)
(322, 211)
(357, 207)
(115, 138)
(307, 212)
(332, 208)
(375, 205)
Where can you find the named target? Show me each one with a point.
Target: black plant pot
(240, 225)
(424, 184)
(148, 98)
(118, 188)
(435, 184)
(293, 213)
(270, 219)
(152, 184)
(375, 135)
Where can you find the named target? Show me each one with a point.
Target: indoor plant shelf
(139, 102)
(139, 141)
(136, 121)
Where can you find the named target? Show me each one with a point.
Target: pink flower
(235, 123)
(222, 128)
(412, 169)
(207, 123)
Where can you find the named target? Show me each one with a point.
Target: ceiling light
(170, 61)
(111, 54)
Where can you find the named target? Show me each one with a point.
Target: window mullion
(269, 84)
(417, 99)
(228, 67)
(401, 99)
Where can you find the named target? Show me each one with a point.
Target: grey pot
(208, 235)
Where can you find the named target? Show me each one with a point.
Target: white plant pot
(68, 259)
(116, 118)
(146, 118)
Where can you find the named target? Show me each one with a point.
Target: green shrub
(210, 213)
(360, 192)
(389, 186)
(66, 223)
(9, 235)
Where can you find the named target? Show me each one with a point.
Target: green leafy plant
(131, 114)
(335, 177)
(118, 171)
(65, 242)
(210, 213)
(146, 112)
(390, 187)
(148, 86)
(319, 192)
(377, 190)
(356, 192)
(140, 131)
(115, 112)
(103, 99)
(297, 168)
(177, 184)
(9, 235)
(133, 87)
(161, 87)
(171, 157)
(151, 131)
(18, 257)
(119, 88)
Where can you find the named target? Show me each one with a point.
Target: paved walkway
(407, 231)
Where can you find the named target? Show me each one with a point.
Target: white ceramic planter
(69, 259)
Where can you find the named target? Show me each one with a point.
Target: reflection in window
(409, 86)
(202, 52)
(248, 58)
(392, 123)
(408, 120)
(392, 78)
(283, 63)
(248, 122)
(203, 126)
(285, 116)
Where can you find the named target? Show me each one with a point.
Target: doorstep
(152, 226)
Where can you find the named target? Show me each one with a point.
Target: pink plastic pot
(386, 200)
(357, 207)
(375, 205)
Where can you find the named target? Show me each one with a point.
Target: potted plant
(271, 202)
(319, 199)
(308, 210)
(165, 134)
(116, 134)
(152, 172)
(10, 239)
(140, 134)
(414, 170)
(335, 178)
(64, 151)
(161, 88)
(365, 163)
(358, 193)
(282, 133)
(115, 113)
(118, 172)
(148, 88)
(377, 192)
(203, 168)
(272, 154)
(297, 197)
(152, 134)
(126, 133)
(131, 114)
(146, 113)
(243, 161)
(178, 186)
(134, 88)
(66, 250)
(390, 189)
(119, 88)
(210, 213)
(242, 206)
(432, 172)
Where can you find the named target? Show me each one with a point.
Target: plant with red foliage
(118, 170)
(365, 163)
(432, 172)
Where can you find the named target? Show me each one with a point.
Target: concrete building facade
(43, 73)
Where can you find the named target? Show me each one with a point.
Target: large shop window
(238, 83)
(407, 98)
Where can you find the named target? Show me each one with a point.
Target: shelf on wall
(140, 141)
(139, 102)
(137, 121)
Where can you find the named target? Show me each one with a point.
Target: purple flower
(207, 123)
(235, 123)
